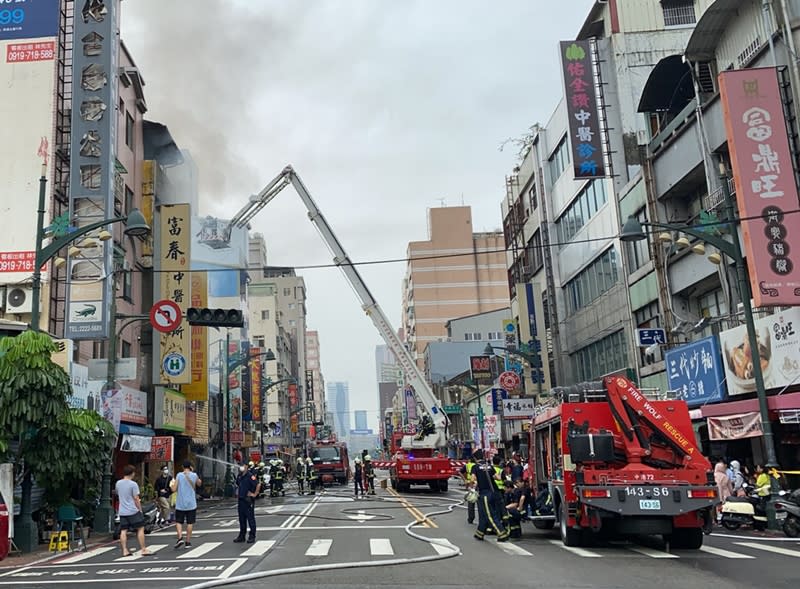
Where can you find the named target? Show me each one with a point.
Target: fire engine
(616, 462)
(422, 447)
(330, 459)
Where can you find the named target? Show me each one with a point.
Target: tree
(58, 446)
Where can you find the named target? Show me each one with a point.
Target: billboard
(480, 368)
(765, 183)
(28, 33)
(778, 342)
(694, 370)
(93, 146)
(582, 109)
(175, 285)
(197, 389)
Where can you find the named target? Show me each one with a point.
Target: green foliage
(148, 491)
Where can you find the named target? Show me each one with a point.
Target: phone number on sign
(16, 265)
(21, 52)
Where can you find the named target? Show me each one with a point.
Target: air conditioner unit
(19, 300)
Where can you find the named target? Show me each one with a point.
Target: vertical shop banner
(247, 396)
(410, 400)
(532, 332)
(582, 109)
(694, 371)
(27, 77)
(235, 389)
(256, 370)
(294, 403)
(175, 285)
(765, 182)
(112, 407)
(93, 177)
(197, 389)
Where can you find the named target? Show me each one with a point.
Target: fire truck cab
(330, 460)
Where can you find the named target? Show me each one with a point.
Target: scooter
(787, 511)
(150, 511)
(743, 511)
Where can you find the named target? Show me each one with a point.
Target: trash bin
(4, 540)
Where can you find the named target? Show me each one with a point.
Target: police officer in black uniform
(248, 489)
(488, 516)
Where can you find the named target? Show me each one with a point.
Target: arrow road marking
(361, 517)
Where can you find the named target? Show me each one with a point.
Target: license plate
(780, 515)
(650, 504)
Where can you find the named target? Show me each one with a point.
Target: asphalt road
(299, 535)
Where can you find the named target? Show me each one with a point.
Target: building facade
(337, 396)
(315, 383)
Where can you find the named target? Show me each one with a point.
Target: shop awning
(775, 403)
(138, 430)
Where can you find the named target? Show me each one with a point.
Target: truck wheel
(544, 525)
(569, 537)
(393, 482)
(791, 527)
(443, 486)
(434, 485)
(729, 525)
(685, 538)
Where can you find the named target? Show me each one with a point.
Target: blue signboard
(649, 337)
(695, 371)
(498, 395)
(29, 19)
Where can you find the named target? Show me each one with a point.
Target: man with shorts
(184, 485)
(130, 511)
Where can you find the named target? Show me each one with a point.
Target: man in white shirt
(185, 484)
(130, 511)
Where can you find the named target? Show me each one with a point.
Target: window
(129, 198)
(532, 197)
(129, 130)
(259, 341)
(559, 160)
(639, 251)
(678, 12)
(292, 323)
(601, 357)
(596, 279)
(494, 335)
(583, 207)
(98, 350)
(712, 304)
(291, 306)
(287, 292)
(265, 315)
(534, 256)
(472, 337)
(125, 349)
(127, 285)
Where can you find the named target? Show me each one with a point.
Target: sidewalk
(42, 551)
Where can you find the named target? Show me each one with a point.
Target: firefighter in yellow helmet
(369, 474)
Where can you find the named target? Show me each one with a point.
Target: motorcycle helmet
(367, 458)
(358, 461)
(251, 464)
(308, 460)
(261, 464)
(300, 460)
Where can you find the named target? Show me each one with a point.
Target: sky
(384, 108)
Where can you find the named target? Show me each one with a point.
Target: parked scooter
(787, 511)
(744, 511)
(150, 511)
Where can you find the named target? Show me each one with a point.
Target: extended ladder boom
(369, 304)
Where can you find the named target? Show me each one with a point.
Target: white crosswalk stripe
(651, 552)
(513, 549)
(88, 554)
(138, 554)
(448, 547)
(260, 548)
(724, 553)
(204, 548)
(770, 548)
(380, 547)
(575, 550)
(319, 547)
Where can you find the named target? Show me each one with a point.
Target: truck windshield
(326, 454)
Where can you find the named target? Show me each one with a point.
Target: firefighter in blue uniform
(489, 517)
(248, 489)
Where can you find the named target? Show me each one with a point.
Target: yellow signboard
(197, 390)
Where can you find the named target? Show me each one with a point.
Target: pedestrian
(130, 511)
(763, 485)
(163, 493)
(185, 485)
(358, 478)
(488, 516)
(739, 481)
(248, 487)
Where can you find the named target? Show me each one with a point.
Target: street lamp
(632, 231)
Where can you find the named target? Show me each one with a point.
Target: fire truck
(420, 448)
(330, 460)
(616, 462)
(420, 466)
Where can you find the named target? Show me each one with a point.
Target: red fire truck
(618, 463)
(417, 466)
(330, 460)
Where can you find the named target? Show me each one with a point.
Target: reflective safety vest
(500, 484)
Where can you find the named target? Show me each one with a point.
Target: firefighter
(469, 483)
(273, 468)
(488, 515)
(369, 475)
(358, 478)
(516, 508)
(312, 476)
(500, 489)
(280, 472)
(300, 473)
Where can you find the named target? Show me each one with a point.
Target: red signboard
(293, 400)
(20, 52)
(765, 185)
(480, 368)
(255, 384)
(237, 437)
(162, 449)
(17, 261)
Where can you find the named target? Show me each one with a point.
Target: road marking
(449, 547)
(361, 516)
(769, 548)
(260, 548)
(87, 554)
(201, 550)
(319, 547)
(231, 569)
(579, 551)
(226, 523)
(651, 552)
(138, 554)
(418, 515)
(380, 547)
(724, 553)
(513, 549)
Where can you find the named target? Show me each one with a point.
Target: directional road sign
(165, 316)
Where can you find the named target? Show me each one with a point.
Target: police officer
(488, 516)
(248, 489)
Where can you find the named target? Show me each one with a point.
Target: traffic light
(214, 317)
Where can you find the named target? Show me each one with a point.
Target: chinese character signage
(170, 412)
(247, 397)
(694, 371)
(581, 99)
(29, 19)
(162, 449)
(497, 399)
(92, 164)
(175, 285)
(521, 408)
(532, 332)
(765, 182)
(480, 368)
(197, 389)
(779, 349)
(735, 427)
